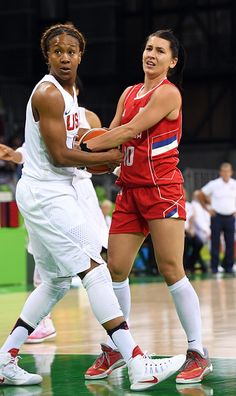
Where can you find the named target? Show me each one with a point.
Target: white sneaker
(145, 373)
(44, 331)
(12, 374)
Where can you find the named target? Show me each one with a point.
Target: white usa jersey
(38, 164)
(83, 123)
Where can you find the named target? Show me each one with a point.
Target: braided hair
(57, 30)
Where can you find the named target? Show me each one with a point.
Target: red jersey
(151, 158)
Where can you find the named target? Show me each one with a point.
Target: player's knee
(103, 301)
(170, 270)
(99, 274)
(117, 274)
(59, 285)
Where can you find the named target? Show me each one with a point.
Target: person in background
(201, 226)
(221, 193)
(193, 241)
(148, 125)
(106, 207)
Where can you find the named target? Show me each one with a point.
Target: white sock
(15, 339)
(188, 309)
(124, 342)
(37, 306)
(122, 292)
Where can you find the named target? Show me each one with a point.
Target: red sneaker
(195, 368)
(105, 363)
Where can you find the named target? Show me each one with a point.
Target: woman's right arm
(48, 108)
(8, 154)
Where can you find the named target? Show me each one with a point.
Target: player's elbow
(57, 159)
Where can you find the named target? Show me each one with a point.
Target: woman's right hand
(6, 153)
(115, 157)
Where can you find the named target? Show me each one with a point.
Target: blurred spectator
(201, 221)
(221, 193)
(193, 243)
(7, 172)
(145, 262)
(106, 207)
(201, 226)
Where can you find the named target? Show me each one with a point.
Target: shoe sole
(207, 371)
(39, 340)
(106, 373)
(8, 381)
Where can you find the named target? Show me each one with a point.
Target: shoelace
(14, 363)
(151, 366)
(101, 358)
(191, 361)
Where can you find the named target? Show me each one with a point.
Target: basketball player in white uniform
(87, 198)
(63, 242)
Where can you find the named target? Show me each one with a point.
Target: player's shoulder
(168, 87)
(167, 92)
(45, 89)
(46, 93)
(127, 92)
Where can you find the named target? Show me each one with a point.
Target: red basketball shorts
(135, 206)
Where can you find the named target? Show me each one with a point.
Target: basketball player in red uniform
(63, 243)
(148, 123)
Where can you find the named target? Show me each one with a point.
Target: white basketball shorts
(87, 196)
(63, 241)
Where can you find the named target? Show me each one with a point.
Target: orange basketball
(90, 134)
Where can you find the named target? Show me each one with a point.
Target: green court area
(63, 376)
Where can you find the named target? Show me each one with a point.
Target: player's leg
(144, 372)
(168, 241)
(120, 262)
(125, 239)
(51, 255)
(229, 231)
(36, 307)
(216, 228)
(45, 329)
(127, 233)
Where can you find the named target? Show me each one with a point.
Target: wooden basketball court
(155, 326)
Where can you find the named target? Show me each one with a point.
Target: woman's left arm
(164, 103)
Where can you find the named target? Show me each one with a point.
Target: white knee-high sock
(122, 292)
(124, 342)
(188, 309)
(37, 306)
(16, 339)
(105, 307)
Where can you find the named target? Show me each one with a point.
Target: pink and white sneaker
(44, 331)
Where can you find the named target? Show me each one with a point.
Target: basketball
(90, 134)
